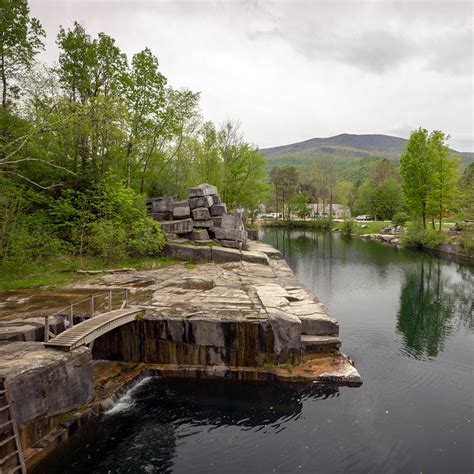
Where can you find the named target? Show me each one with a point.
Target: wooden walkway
(89, 330)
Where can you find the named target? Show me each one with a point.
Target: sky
(294, 70)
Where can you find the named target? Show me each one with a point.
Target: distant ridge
(350, 145)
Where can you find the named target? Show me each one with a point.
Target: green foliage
(417, 236)
(299, 205)
(21, 38)
(400, 218)
(348, 227)
(285, 182)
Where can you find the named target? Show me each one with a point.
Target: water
(406, 319)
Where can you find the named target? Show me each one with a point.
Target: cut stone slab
(218, 209)
(318, 344)
(160, 204)
(202, 190)
(204, 201)
(199, 234)
(181, 210)
(228, 234)
(161, 216)
(201, 213)
(233, 244)
(232, 221)
(204, 224)
(216, 198)
(217, 221)
(187, 252)
(177, 227)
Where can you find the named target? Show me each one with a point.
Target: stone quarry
(203, 218)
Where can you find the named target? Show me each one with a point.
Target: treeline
(83, 143)
(425, 187)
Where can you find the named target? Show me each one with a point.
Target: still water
(406, 319)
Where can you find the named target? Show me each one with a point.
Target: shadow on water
(144, 434)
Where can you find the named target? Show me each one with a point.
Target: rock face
(207, 211)
(228, 314)
(44, 382)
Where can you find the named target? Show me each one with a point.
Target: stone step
(318, 325)
(318, 344)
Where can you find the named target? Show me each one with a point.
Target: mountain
(347, 150)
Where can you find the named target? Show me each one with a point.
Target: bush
(466, 241)
(400, 218)
(419, 237)
(107, 239)
(147, 238)
(348, 227)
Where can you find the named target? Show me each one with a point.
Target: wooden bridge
(86, 332)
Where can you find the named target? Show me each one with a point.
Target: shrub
(107, 239)
(400, 218)
(419, 237)
(348, 227)
(147, 238)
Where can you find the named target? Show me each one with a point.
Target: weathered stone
(201, 213)
(202, 190)
(177, 227)
(218, 209)
(160, 204)
(45, 382)
(217, 221)
(181, 210)
(204, 224)
(232, 221)
(228, 234)
(203, 201)
(161, 216)
(170, 236)
(233, 244)
(199, 234)
(187, 252)
(318, 344)
(220, 254)
(216, 199)
(252, 234)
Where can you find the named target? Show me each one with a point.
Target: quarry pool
(406, 319)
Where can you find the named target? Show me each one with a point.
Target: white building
(338, 211)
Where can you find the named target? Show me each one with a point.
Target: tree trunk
(423, 214)
(129, 163)
(4, 84)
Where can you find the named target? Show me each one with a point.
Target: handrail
(90, 298)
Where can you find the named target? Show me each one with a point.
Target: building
(338, 211)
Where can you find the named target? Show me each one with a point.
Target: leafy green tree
(285, 183)
(21, 38)
(299, 205)
(416, 168)
(444, 192)
(325, 178)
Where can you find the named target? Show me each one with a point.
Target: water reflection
(166, 411)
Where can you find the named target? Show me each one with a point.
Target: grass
(62, 270)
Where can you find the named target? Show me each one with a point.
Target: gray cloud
(294, 70)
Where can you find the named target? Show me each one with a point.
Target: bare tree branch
(34, 183)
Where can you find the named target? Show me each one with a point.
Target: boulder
(232, 244)
(218, 209)
(217, 221)
(177, 227)
(216, 199)
(199, 234)
(201, 213)
(202, 190)
(204, 201)
(181, 210)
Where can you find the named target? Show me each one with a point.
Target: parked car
(363, 218)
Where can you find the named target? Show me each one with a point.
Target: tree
(443, 195)
(299, 204)
(416, 168)
(324, 176)
(285, 182)
(20, 41)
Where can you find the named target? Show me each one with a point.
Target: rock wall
(198, 341)
(43, 383)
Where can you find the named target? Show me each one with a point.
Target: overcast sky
(290, 70)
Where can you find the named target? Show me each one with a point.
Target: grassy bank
(63, 270)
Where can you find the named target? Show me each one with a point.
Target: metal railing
(69, 310)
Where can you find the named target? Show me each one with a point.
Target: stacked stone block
(200, 218)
